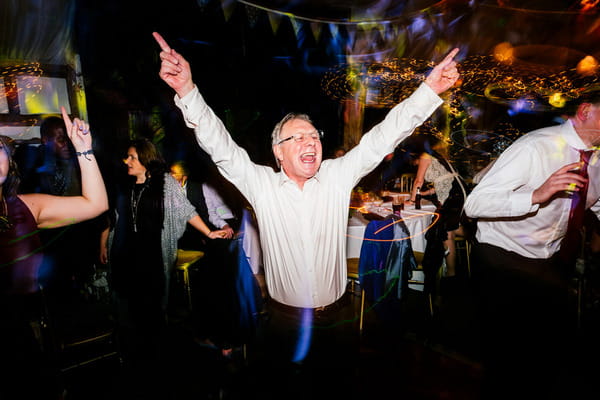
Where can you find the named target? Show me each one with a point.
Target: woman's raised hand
(78, 132)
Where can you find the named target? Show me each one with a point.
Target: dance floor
(417, 358)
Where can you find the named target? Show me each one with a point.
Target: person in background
(339, 151)
(527, 205)
(218, 267)
(381, 177)
(302, 214)
(28, 373)
(70, 252)
(387, 175)
(150, 214)
(57, 172)
(208, 203)
(449, 193)
(229, 289)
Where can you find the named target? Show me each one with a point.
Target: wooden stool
(463, 245)
(185, 259)
(418, 280)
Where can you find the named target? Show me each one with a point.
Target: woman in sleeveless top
(21, 217)
(449, 190)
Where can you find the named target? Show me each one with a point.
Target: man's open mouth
(308, 157)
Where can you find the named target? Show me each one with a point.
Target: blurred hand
(219, 234)
(559, 181)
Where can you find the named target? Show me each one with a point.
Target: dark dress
(28, 372)
(136, 253)
(20, 251)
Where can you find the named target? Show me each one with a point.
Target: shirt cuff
(192, 106)
(427, 92)
(521, 203)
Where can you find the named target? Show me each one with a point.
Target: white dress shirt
(303, 231)
(502, 200)
(218, 211)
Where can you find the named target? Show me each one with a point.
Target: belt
(330, 308)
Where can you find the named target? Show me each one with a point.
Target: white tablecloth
(417, 221)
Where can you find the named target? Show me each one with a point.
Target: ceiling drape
(37, 30)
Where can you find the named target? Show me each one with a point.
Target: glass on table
(397, 204)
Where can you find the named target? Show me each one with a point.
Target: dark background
(252, 74)
(249, 82)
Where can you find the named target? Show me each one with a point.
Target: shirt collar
(572, 138)
(283, 178)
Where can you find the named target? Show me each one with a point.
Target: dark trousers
(307, 353)
(526, 322)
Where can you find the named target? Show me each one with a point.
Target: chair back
(406, 182)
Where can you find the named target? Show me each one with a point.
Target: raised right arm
(212, 135)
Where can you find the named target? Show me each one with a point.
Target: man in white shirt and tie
(523, 206)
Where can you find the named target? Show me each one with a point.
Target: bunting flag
(275, 21)
(348, 34)
(228, 7)
(366, 26)
(316, 29)
(253, 15)
(296, 24)
(351, 39)
(334, 30)
(400, 42)
(382, 28)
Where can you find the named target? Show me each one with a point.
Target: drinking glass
(397, 204)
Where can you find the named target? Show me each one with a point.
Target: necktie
(571, 244)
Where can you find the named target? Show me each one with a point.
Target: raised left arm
(55, 211)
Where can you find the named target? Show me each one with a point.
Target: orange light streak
(436, 217)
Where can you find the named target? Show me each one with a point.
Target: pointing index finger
(161, 42)
(448, 59)
(65, 117)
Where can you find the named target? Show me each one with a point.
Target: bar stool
(463, 246)
(185, 259)
(78, 333)
(417, 281)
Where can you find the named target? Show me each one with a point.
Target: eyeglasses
(302, 137)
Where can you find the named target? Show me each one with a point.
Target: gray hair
(277, 130)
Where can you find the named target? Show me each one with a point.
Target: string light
(9, 74)
(383, 84)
